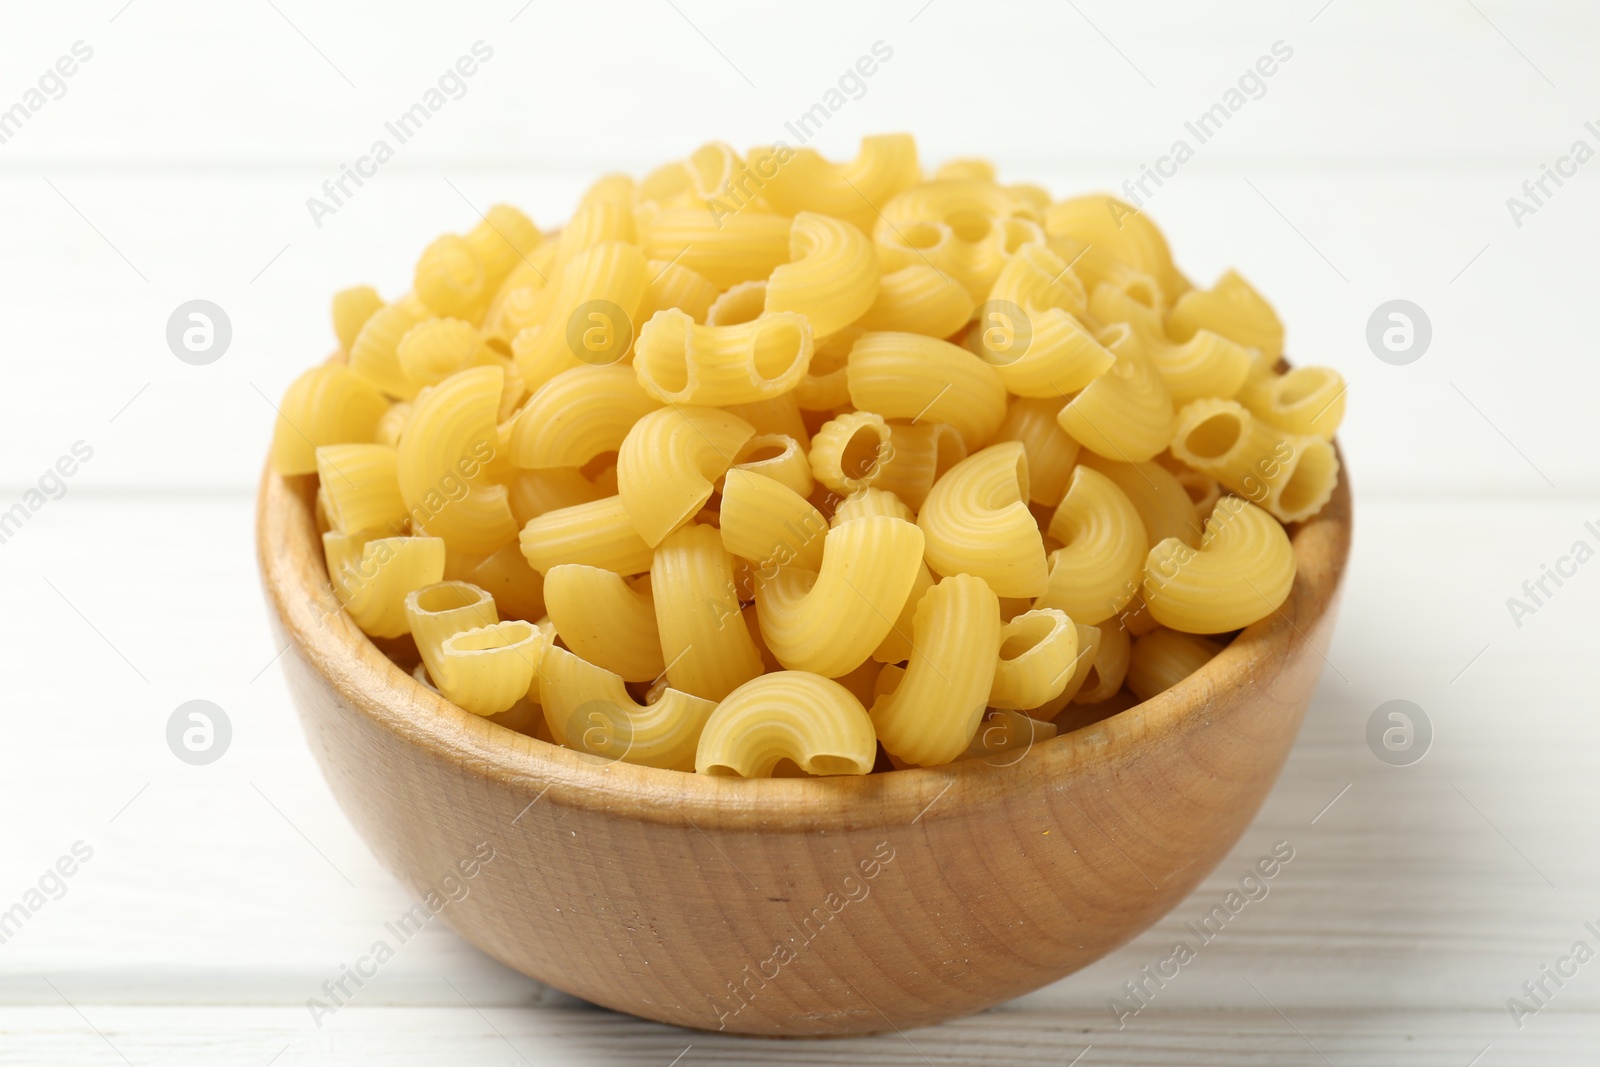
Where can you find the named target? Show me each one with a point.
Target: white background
(1376, 166)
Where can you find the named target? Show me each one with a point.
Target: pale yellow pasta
(672, 285)
(1097, 570)
(965, 169)
(592, 318)
(602, 618)
(327, 405)
(917, 455)
(533, 493)
(372, 578)
(829, 621)
(825, 386)
(360, 487)
(1108, 666)
(694, 181)
(1233, 309)
(977, 522)
(1116, 229)
(1289, 475)
(1306, 401)
(392, 424)
(619, 188)
(704, 643)
(846, 452)
(964, 228)
(1007, 734)
(1125, 414)
(432, 351)
(896, 646)
(725, 251)
(1052, 453)
(866, 503)
(442, 461)
(795, 716)
(832, 275)
(1207, 364)
(908, 376)
(769, 524)
(1038, 655)
(597, 533)
(588, 708)
(1242, 572)
(1162, 658)
(488, 669)
(503, 239)
(681, 362)
(744, 302)
(436, 612)
(452, 279)
(669, 463)
(352, 308)
(778, 415)
(793, 180)
(919, 298)
(517, 588)
(1082, 668)
(933, 712)
(523, 299)
(778, 457)
(1163, 503)
(576, 416)
(596, 223)
(1135, 618)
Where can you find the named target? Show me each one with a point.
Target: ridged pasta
(517, 588)
(503, 239)
(832, 275)
(1117, 231)
(1242, 572)
(964, 228)
(977, 522)
(438, 611)
(576, 416)
(361, 488)
(432, 351)
(1125, 414)
(724, 251)
(918, 455)
(919, 298)
(707, 650)
(352, 308)
(680, 362)
(779, 457)
(908, 376)
(441, 462)
(1107, 667)
(1233, 309)
(1052, 453)
(1206, 364)
(451, 279)
(813, 722)
(592, 318)
(1004, 737)
(1097, 570)
(327, 405)
(672, 285)
(1038, 655)
(1162, 658)
(488, 669)
(795, 180)
(588, 708)
(1306, 401)
(372, 578)
(1289, 475)
(769, 524)
(669, 462)
(597, 533)
(847, 452)
(602, 618)
(1164, 506)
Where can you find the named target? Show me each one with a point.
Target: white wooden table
(218, 898)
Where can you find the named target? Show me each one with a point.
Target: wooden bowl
(790, 906)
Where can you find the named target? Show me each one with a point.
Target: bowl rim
(317, 629)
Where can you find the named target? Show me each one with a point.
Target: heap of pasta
(770, 465)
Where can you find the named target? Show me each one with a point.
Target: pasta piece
(932, 714)
(919, 298)
(771, 525)
(1158, 495)
(1038, 655)
(1233, 309)
(704, 643)
(327, 405)
(488, 669)
(832, 276)
(392, 424)
(1008, 734)
(1029, 330)
(908, 376)
(598, 616)
(578, 415)
(442, 462)
(966, 229)
(965, 170)
(523, 299)
(452, 281)
(896, 646)
(1125, 414)
(811, 721)
(598, 534)
(517, 588)
(777, 457)
(533, 493)
(1306, 401)
(618, 188)
(1290, 476)
(588, 708)
(1097, 570)
(1163, 658)
(596, 223)
(1089, 638)
(1108, 668)
(672, 285)
(1119, 231)
(1242, 572)
(432, 351)
(592, 317)
(977, 522)
(680, 362)
(1135, 618)
(1207, 364)
(846, 452)
(865, 503)
(352, 308)
(372, 578)
(778, 415)
(831, 620)
(708, 171)
(795, 180)
(725, 251)
(915, 457)
(1052, 453)
(361, 490)
(669, 461)
(503, 239)
(745, 302)
(439, 611)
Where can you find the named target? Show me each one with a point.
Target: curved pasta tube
(932, 714)
(452, 279)
(680, 362)
(1289, 475)
(597, 533)
(779, 415)
(432, 351)
(1038, 280)
(917, 456)
(778, 457)
(918, 298)
(1082, 668)
(832, 276)
(438, 611)
(977, 522)
(825, 386)
(866, 503)
(814, 722)
(1108, 666)
(846, 453)
(488, 669)
(672, 285)
(589, 709)
(360, 488)
(896, 646)
(1096, 572)
(908, 376)
(352, 308)
(1242, 572)
(1119, 231)
(327, 405)
(592, 317)
(533, 493)
(1164, 506)
(829, 621)
(669, 462)
(1163, 658)
(1233, 309)
(1125, 414)
(596, 222)
(1002, 732)
(523, 299)
(503, 240)
(392, 424)
(1306, 401)
(1052, 453)
(769, 524)
(442, 460)
(704, 643)
(793, 180)
(517, 588)
(745, 302)
(692, 181)
(604, 620)
(576, 416)
(372, 578)
(1206, 364)
(967, 229)
(724, 249)
(1038, 655)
